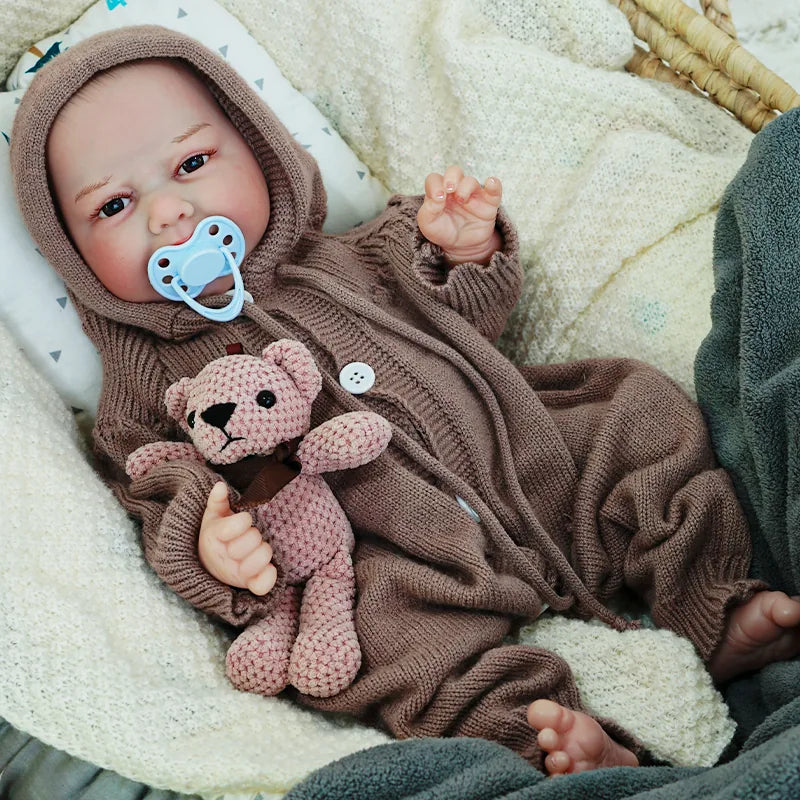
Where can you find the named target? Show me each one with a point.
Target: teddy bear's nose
(218, 414)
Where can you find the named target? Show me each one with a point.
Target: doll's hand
(231, 549)
(459, 215)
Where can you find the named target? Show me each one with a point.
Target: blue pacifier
(182, 271)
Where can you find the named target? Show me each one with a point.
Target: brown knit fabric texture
(586, 478)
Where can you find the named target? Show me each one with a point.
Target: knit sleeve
(170, 499)
(483, 294)
(652, 509)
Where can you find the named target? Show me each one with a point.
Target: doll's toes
(325, 661)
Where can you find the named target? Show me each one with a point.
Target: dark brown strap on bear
(259, 478)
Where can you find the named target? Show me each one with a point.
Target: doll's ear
(176, 398)
(295, 359)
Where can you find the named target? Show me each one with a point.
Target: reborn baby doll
(239, 412)
(503, 490)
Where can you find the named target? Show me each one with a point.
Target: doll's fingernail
(450, 187)
(440, 195)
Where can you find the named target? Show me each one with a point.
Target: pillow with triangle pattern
(34, 305)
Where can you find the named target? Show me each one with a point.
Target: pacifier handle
(226, 313)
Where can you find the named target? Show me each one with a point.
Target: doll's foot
(573, 741)
(325, 659)
(764, 629)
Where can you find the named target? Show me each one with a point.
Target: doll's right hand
(231, 548)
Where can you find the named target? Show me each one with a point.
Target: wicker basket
(701, 54)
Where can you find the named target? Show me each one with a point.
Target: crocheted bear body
(245, 416)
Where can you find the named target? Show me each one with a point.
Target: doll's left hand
(459, 215)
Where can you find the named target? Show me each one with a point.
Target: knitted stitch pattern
(239, 406)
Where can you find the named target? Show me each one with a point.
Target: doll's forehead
(146, 75)
(130, 111)
(144, 87)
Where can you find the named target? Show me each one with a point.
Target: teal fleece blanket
(474, 769)
(747, 371)
(748, 382)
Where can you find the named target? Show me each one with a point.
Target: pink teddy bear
(245, 416)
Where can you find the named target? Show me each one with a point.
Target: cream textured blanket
(613, 182)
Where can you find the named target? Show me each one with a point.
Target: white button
(357, 377)
(468, 508)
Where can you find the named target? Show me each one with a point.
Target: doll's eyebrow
(92, 187)
(190, 131)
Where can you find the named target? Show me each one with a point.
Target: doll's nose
(218, 414)
(167, 210)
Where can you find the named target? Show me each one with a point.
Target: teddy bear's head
(242, 405)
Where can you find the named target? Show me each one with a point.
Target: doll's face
(137, 159)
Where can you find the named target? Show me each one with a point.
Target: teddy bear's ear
(297, 361)
(176, 398)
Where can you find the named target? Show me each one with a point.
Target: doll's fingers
(493, 190)
(430, 210)
(434, 186)
(244, 544)
(452, 177)
(256, 562)
(233, 526)
(263, 583)
(217, 504)
(467, 186)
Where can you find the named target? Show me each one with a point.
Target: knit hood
(297, 198)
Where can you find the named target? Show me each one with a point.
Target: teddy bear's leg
(258, 659)
(326, 655)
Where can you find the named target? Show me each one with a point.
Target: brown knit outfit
(587, 477)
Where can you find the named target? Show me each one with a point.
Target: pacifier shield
(199, 260)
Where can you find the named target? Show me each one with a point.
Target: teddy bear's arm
(346, 441)
(144, 458)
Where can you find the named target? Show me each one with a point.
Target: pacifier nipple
(181, 272)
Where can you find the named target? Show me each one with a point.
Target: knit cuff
(483, 294)
(700, 612)
(170, 531)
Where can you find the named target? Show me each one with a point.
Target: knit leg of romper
(432, 616)
(652, 510)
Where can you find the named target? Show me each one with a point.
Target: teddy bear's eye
(265, 398)
(190, 419)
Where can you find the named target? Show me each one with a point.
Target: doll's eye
(193, 163)
(113, 207)
(265, 398)
(190, 419)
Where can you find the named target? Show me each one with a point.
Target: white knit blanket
(613, 182)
